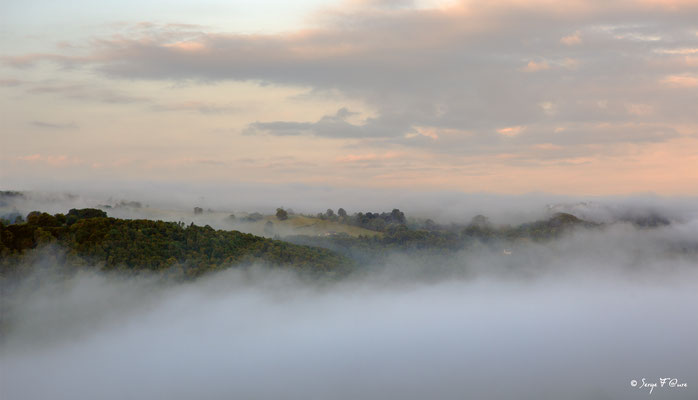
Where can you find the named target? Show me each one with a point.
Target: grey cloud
(196, 106)
(11, 82)
(85, 92)
(29, 60)
(539, 143)
(212, 163)
(279, 128)
(446, 70)
(54, 125)
(332, 126)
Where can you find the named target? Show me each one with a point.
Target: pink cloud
(186, 46)
(32, 157)
(572, 39)
(52, 160)
(533, 66)
(367, 157)
(547, 146)
(682, 51)
(681, 81)
(511, 131)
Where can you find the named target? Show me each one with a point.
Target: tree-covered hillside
(429, 240)
(90, 237)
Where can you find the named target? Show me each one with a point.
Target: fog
(175, 202)
(575, 318)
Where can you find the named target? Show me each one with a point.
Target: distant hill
(90, 237)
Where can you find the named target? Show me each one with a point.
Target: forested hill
(91, 238)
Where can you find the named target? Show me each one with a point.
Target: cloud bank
(576, 318)
(609, 70)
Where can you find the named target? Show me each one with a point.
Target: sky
(506, 97)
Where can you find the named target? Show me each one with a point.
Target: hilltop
(89, 236)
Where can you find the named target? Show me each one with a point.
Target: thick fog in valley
(576, 317)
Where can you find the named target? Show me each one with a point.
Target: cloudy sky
(512, 96)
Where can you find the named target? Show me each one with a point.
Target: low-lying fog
(578, 318)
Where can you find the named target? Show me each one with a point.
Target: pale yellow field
(302, 225)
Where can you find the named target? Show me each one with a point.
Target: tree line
(89, 236)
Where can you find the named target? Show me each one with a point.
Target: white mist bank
(579, 317)
(576, 328)
(279, 339)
